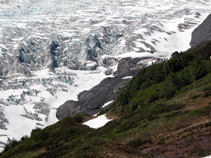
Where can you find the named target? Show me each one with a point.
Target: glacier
(51, 50)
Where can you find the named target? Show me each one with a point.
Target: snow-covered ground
(82, 39)
(108, 103)
(97, 122)
(127, 77)
(208, 156)
(60, 93)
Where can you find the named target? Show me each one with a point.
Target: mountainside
(53, 50)
(165, 111)
(91, 102)
(202, 33)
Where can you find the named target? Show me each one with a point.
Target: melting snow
(108, 103)
(97, 122)
(127, 77)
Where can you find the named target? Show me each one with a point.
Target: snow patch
(108, 103)
(127, 77)
(97, 122)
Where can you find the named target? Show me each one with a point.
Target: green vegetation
(165, 103)
(12, 143)
(162, 80)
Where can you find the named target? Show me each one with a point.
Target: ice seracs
(40, 95)
(52, 50)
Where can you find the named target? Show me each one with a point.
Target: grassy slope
(151, 122)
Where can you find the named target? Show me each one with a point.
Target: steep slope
(163, 113)
(91, 102)
(202, 33)
(52, 50)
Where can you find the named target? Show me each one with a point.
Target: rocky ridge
(91, 102)
(202, 33)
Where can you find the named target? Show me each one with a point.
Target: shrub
(35, 131)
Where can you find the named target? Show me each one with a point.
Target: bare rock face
(91, 102)
(201, 33)
(126, 65)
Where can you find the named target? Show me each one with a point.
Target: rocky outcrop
(91, 102)
(201, 33)
(127, 65)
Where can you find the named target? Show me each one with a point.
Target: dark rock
(69, 108)
(91, 102)
(201, 33)
(127, 64)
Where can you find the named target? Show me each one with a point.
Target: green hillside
(165, 111)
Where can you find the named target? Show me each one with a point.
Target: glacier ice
(52, 50)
